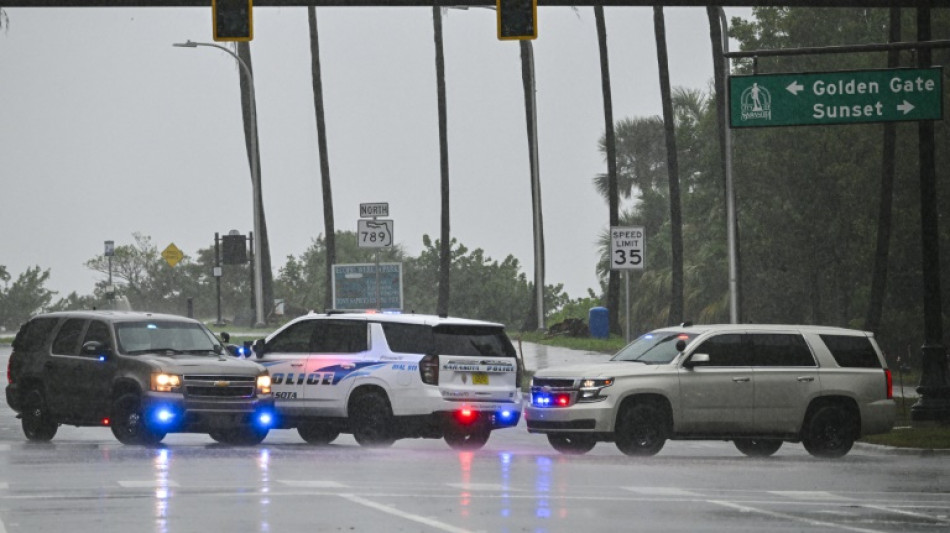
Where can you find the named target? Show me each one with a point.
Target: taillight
(429, 369)
(466, 415)
(890, 383)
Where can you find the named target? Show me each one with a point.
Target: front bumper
(176, 414)
(578, 418)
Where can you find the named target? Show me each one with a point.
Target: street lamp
(255, 180)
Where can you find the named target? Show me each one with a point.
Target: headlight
(263, 384)
(162, 382)
(591, 390)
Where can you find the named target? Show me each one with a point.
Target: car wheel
(316, 433)
(572, 443)
(371, 421)
(128, 422)
(641, 429)
(758, 447)
(472, 437)
(38, 424)
(829, 432)
(240, 436)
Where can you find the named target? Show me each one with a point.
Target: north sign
(846, 97)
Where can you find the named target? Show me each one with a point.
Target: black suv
(142, 374)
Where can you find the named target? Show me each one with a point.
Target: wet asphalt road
(85, 481)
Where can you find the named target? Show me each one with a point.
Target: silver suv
(141, 374)
(756, 385)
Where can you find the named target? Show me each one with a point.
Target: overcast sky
(107, 130)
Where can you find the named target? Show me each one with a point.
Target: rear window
(851, 351)
(477, 341)
(33, 335)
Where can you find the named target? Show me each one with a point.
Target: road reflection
(162, 492)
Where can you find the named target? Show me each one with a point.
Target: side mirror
(259, 348)
(95, 349)
(226, 337)
(680, 345)
(697, 359)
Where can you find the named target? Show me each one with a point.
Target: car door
(340, 354)
(285, 356)
(718, 397)
(786, 379)
(78, 385)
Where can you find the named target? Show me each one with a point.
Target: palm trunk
(267, 277)
(445, 249)
(328, 226)
(613, 196)
(672, 164)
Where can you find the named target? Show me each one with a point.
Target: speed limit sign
(627, 248)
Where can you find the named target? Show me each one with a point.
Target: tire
(641, 429)
(371, 420)
(829, 432)
(128, 422)
(38, 425)
(471, 437)
(572, 443)
(758, 447)
(318, 434)
(240, 436)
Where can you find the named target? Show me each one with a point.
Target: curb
(894, 450)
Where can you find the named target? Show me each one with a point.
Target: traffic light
(517, 19)
(234, 249)
(233, 20)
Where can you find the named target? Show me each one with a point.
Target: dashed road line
(908, 513)
(311, 484)
(809, 495)
(662, 491)
(148, 484)
(786, 516)
(431, 522)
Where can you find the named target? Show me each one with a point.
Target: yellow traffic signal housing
(233, 20)
(517, 19)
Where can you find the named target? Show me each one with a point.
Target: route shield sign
(846, 97)
(374, 233)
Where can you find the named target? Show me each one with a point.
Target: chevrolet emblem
(222, 383)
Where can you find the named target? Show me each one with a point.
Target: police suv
(141, 374)
(384, 377)
(756, 385)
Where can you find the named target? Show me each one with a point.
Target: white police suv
(756, 385)
(384, 377)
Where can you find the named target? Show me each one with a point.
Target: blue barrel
(599, 322)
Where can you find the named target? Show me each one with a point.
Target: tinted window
(294, 339)
(67, 340)
(851, 351)
(781, 349)
(339, 337)
(99, 332)
(33, 335)
(476, 341)
(726, 350)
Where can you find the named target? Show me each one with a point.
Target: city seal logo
(756, 103)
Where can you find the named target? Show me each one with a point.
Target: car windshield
(654, 348)
(165, 336)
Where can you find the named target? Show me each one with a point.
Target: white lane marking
(4, 447)
(809, 495)
(311, 484)
(814, 523)
(481, 486)
(4, 485)
(431, 522)
(148, 484)
(888, 509)
(3, 529)
(662, 491)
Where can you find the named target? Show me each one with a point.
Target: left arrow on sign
(795, 88)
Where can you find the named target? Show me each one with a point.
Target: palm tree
(884, 218)
(613, 281)
(267, 276)
(676, 216)
(445, 248)
(328, 226)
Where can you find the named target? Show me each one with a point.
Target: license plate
(480, 378)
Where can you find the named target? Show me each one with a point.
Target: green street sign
(849, 97)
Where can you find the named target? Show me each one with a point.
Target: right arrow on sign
(906, 107)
